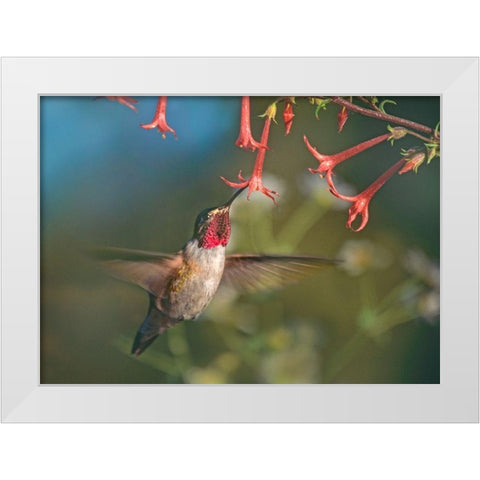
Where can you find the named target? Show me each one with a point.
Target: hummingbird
(180, 286)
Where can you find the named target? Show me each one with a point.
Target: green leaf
(321, 105)
(432, 152)
(381, 107)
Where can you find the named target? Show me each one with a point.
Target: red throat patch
(217, 233)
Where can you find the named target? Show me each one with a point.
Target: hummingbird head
(212, 226)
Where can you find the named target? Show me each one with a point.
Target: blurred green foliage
(373, 320)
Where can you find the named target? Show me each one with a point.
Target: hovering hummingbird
(181, 285)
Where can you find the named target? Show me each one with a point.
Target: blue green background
(107, 182)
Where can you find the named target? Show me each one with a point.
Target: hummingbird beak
(234, 196)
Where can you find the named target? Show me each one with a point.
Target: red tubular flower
(255, 181)
(342, 117)
(159, 120)
(127, 101)
(360, 202)
(328, 162)
(245, 139)
(288, 115)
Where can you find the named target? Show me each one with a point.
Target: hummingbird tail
(141, 343)
(155, 324)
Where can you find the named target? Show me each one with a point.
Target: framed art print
(188, 240)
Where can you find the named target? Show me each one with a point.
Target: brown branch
(382, 116)
(368, 102)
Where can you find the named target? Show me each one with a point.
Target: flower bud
(413, 161)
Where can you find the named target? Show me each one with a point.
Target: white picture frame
(24, 399)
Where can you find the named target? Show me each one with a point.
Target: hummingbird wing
(149, 270)
(260, 272)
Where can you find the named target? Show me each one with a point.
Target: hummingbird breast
(194, 283)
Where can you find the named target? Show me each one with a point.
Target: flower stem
(421, 137)
(382, 116)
